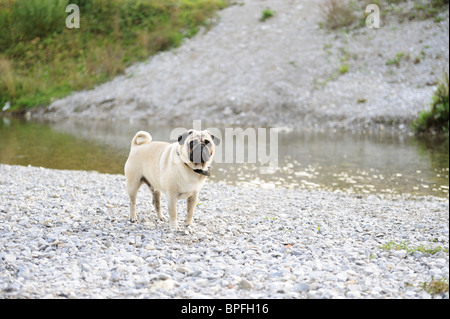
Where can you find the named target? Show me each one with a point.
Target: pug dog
(178, 170)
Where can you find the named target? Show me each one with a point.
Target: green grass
(396, 61)
(427, 9)
(410, 250)
(435, 118)
(344, 68)
(267, 14)
(41, 59)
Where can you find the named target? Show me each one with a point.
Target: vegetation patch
(396, 61)
(267, 14)
(420, 10)
(350, 14)
(435, 118)
(339, 14)
(41, 59)
(343, 68)
(436, 287)
(410, 250)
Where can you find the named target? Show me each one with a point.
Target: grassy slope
(41, 59)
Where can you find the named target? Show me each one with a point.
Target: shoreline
(66, 234)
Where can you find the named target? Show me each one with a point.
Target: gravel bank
(284, 71)
(66, 234)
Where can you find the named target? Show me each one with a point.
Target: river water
(359, 163)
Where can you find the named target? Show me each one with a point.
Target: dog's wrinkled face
(197, 147)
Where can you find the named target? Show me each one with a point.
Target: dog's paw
(162, 218)
(173, 224)
(189, 230)
(189, 223)
(133, 217)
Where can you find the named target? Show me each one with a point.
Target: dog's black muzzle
(200, 152)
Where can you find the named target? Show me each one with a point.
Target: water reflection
(356, 163)
(383, 162)
(25, 143)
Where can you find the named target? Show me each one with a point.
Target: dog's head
(197, 148)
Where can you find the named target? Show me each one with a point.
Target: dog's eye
(207, 142)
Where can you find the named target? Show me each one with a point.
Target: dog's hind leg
(133, 185)
(156, 198)
(157, 204)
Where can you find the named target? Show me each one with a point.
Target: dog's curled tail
(141, 137)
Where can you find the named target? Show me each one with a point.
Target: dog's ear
(215, 139)
(183, 137)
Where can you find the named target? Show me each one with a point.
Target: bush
(436, 118)
(339, 14)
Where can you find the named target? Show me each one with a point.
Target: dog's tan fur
(167, 168)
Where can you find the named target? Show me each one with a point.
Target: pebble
(342, 276)
(400, 253)
(353, 294)
(92, 250)
(9, 258)
(183, 270)
(245, 284)
(302, 287)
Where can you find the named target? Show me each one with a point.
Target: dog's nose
(205, 154)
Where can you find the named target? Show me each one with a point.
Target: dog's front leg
(191, 203)
(172, 204)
